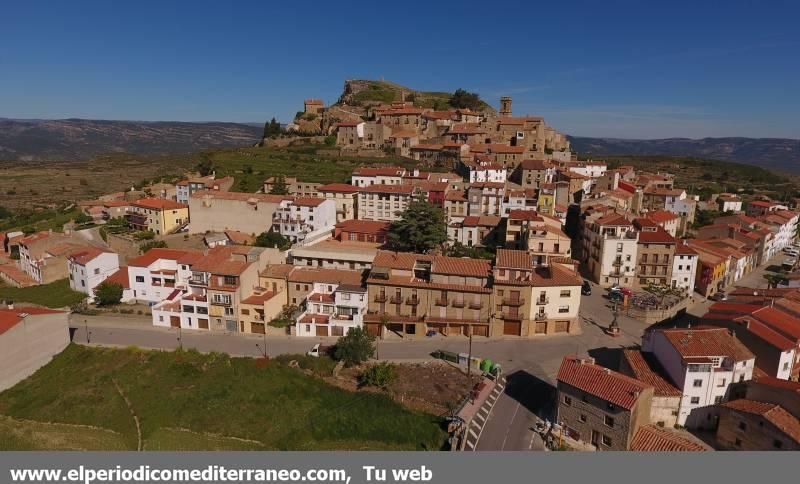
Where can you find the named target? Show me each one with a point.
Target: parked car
(624, 290)
(586, 288)
(720, 296)
(318, 350)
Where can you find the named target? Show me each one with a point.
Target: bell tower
(505, 106)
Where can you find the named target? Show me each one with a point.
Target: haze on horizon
(620, 70)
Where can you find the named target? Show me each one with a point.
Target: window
(606, 441)
(695, 400)
(567, 400)
(718, 399)
(97, 271)
(777, 444)
(742, 425)
(139, 278)
(738, 442)
(609, 421)
(697, 383)
(565, 293)
(563, 309)
(582, 418)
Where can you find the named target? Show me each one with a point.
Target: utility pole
(86, 329)
(180, 338)
(469, 359)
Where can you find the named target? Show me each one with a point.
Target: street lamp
(264, 348)
(613, 328)
(86, 329)
(180, 339)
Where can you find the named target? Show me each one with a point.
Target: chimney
(313, 320)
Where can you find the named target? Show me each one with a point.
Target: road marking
(510, 424)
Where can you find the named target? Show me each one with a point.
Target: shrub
(108, 293)
(144, 235)
(153, 244)
(381, 375)
(356, 347)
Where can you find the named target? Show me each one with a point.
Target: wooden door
(175, 321)
(322, 330)
(562, 326)
(202, 323)
(512, 328)
(258, 328)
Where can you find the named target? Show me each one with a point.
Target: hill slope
(80, 139)
(779, 154)
(365, 92)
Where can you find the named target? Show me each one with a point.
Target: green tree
(272, 128)
(6, 213)
(465, 99)
(381, 375)
(279, 186)
(153, 244)
(421, 228)
(108, 293)
(204, 167)
(774, 279)
(273, 239)
(354, 348)
(82, 218)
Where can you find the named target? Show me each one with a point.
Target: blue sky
(622, 69)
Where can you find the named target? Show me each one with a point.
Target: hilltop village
(537, 245)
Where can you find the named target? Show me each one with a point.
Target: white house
(592, 169)
(611, 245)
(332, 310)
(484, 171)
(90, 266)
(305, 218)
(684, 267)
(702, 362)
(153, 277)
(728, 202)
(389, 175)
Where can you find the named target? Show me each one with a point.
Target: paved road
(530, 365)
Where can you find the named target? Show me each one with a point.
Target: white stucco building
(610, 249)
(304, 218)
(701, 362)
(332, 310)
(90, 266)
(684, 267)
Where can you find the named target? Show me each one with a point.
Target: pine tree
(279, 186)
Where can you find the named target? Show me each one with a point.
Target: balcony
(541, 301)
(412, 301)
(540, 317)
(396, 300)
(442, 301)
(511, 316)
(476, 305)
(513, 301)
(221, 302)
(617, 263)
(380, 298)
(198, 281)
(458, 303)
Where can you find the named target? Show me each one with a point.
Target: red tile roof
(85, 254)
(536, 165)
(706, 342)
(375, 227)
(614, 219)
(601, 382)
(647, 369)
(651, 438)
(11, 317)
(258, 298)
(338, 188)
(461, 266)
(120, 277)
(513, 259)
(385, 188)
(308, 201)
(158, 204)
(771, 412)
(658, 236)
(661, 216)
(380, 171)
(153, 255)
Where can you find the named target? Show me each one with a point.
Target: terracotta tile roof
(348, 124)
(37, 236)
(240, 237)
(762, 203)
(258, 298)
(399, 260)
(647, 369)
(779, 321)
(481, 221)
(11, 317)
(661, 216)
(461, 266)
(466, 128)
(427, 147)
(224, 260)
(455, 196)
(314, 319)
(251, 198)
(85, 254)
(614, 219)
(280, 271)
(791, 386)
(14, 273)
(767, 334)
(380, 171)
(601, 382)
(338, 188)
(404, 133)
(513, 259)
(537, 165)
(439, 114)
(682, 248)
(120, 277)
(115, 203)
(158, 204)
(492, 185)
(308, 201)
(321, 298)
(153, 255)
(375, 227)
(703, 342)
(554, 276)
(666, 192)
(650, 438)
(771, 412)
(658, 236)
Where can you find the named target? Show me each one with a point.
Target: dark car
(586, 289)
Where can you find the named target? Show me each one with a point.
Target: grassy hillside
(190, 401)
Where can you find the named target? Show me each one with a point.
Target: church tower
(505, 106)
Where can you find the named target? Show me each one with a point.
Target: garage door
(456, 329)
(202, 323)
(322, 330)
(373, 329)
(337, 331)
(512, 328)
(257, 328)
(541, 327)
(562, 326)
(480, 331)
(175, 321)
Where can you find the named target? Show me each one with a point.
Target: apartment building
(540, 235)
(533, 173)
(702, 362)
(456, 206)
(250, 213)
(655, 253)
(532, 299)
(361, 231)
(88, 267)
(387, 175)
(345, 197)
(666, 400)
(332, 310)
(482, 171)
(752, 425)
(304, 219)
(475, 231)
(486, 198)
(684, 267)
(43, 255)
(599, 406)
(157, 215)
(410, 294)
(294, 187)
(383, 202)
(667, 220)
(610, 250)
(335, 254)
(185, 188)
(711, 270)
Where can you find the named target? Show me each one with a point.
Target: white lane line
(510, 424)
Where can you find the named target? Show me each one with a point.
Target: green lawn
(54, 295)
(221, 399)
(30, 435)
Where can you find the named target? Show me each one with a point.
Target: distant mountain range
(81, 139)
(779, 154)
